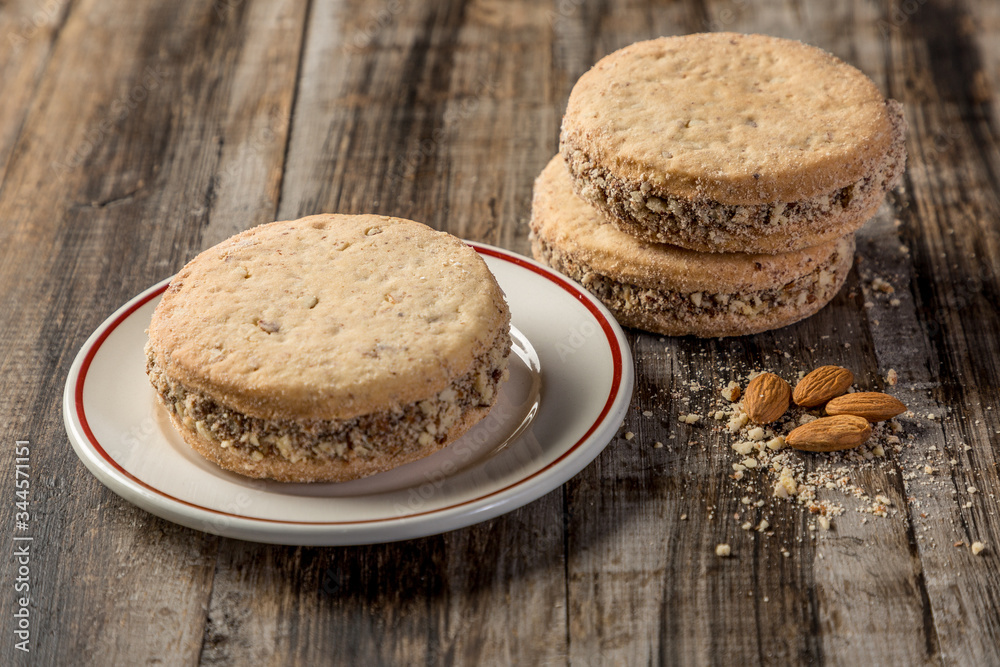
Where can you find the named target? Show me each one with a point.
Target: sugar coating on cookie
(675, 291)
(329, 348)
(732, 143)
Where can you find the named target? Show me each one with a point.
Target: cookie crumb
(776, 444)
(731, 392)
(880, 285)
(786, 486)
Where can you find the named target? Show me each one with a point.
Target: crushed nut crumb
(731, 392)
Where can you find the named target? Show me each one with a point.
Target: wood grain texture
(490, 593)
(949, 223)
(735, 612)
(29, 32)
(134, 135)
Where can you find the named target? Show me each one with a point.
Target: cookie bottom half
(333, 450)
(702, 313)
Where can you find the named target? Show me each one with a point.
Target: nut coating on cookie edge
(673, 291)
(739, 119)
(677, 144)
(329, 348)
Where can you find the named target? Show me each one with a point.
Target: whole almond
(830, 434)
(766, 398)
(872, 405)
(821, 385)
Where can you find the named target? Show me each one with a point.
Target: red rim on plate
(616, 384)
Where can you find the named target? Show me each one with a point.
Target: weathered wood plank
(468, 597)
(910, 610)
(132, 138)
(29, 31)
(950, 267)
(422, 111)
(143, 116)
(759, 607)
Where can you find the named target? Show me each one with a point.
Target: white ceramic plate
(571, 382)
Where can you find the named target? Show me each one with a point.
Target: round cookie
(722, 142)
(674, 291)
(329, 348)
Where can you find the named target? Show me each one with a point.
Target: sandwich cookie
(722, 142)
(674, 291)
(329, 348)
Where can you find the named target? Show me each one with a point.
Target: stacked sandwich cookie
(673, 290)
(329, 348)
(711, 184)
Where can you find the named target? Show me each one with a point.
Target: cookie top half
(738, 119)
(569, 224)
(327, 317)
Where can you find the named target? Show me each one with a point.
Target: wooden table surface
(135, 134)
